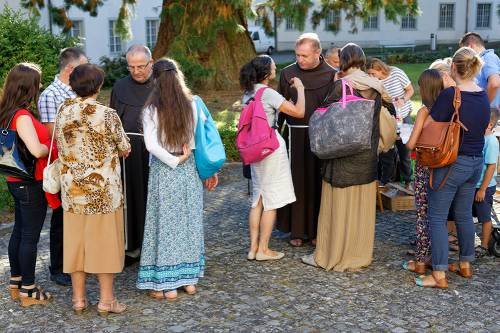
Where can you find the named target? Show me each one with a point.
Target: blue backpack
(209, 153)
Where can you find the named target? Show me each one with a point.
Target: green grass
(6, 200)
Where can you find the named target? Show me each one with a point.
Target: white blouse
(149, 124)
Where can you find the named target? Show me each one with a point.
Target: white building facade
(447, 19)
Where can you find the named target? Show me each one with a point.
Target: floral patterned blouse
(90, 138)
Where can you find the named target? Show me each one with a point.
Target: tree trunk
(223, 58)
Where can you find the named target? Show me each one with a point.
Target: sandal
(80, 305)
(169, 295)
(465, 272)
(34, 296)
(416, 266)
(14, 287)
(296, 242)
(190, 290)
(440, 284)
(105, 308)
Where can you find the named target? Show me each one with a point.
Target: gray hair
(139, 49)
(331, 51)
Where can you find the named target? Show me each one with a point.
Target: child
(431, 84)
(399, 87)
(486, 186)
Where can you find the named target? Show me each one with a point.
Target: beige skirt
(94, 243)
(346, 227)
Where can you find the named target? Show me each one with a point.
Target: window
(290, 25)
(371, 23)
(332, 21)
(483, 14)
(408, 22)
(77, 30)
(151, 32)
(446, 15)
(255, 35)
(115, 41)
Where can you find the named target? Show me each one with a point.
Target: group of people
(333, 204)
(149, 132)
(145, 141)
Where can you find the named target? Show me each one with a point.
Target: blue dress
(173, 250)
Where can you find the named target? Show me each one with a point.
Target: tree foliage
(209, 37)
(23, 40)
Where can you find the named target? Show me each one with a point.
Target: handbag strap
(5, 130)
(52, 140)
(346, 84)
(457, 102)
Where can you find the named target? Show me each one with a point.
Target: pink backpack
(255, 139)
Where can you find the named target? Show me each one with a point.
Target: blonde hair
(442, 65)
(378, 65)
(309, 37)
(467, 63)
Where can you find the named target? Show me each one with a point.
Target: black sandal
(14, 287)
(34, 296)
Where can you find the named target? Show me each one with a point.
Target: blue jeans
(30, 210)
(459, 189)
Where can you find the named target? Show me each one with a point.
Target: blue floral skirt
(173, 247)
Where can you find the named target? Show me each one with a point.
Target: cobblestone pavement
(285, 296)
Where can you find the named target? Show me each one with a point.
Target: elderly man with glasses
(128, 98)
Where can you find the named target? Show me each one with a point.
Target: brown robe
(301, 217)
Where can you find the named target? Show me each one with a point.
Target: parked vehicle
(263, 43)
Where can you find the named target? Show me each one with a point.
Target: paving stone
(238, 295)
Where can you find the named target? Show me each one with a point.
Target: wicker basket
(395, 198)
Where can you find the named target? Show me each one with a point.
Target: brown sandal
(34, 296)
(465, 272)
(164, 295)
(14, 287)
(104, 308)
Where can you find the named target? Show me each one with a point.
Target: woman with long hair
(431, 84)
(173, 250)
(457, 182)
(18, 111)
(272, 185)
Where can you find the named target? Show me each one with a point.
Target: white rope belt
(290, 139)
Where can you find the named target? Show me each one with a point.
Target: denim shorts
(482, 210)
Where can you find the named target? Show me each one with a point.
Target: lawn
(225, 107)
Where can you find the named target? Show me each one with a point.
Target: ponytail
(467, 62)
(255, 71)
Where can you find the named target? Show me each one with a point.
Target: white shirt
(149, 123)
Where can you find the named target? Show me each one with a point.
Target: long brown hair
(172, 100)
(20, 90)
(431, 84)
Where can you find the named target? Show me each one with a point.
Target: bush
(23, 40)
(6, 200)
(227, 124)
(114, 68)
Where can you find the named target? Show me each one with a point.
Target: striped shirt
(395, 85)
(50, 99)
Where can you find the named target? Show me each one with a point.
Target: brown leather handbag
(439, 141)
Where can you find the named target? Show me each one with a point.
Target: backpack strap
(258, 93)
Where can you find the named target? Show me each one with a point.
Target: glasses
(139, 68)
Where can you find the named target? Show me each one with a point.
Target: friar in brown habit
(301, 217)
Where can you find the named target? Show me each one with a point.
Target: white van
(263, 43)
